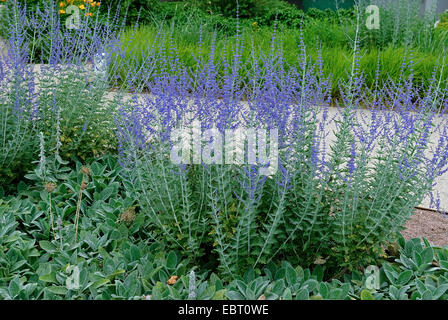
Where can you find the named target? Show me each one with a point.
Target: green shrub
(228, 8)
(282, 13)
(133, 10)
(443, 23)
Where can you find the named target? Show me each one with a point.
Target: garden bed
(119, 195)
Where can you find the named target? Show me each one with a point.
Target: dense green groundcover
(45, 254)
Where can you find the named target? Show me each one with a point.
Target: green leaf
(303, 294)
(100, 283)
(14, 287)
(280, 274)
(233, 295)
(58, 290)
(207, 294)
(444, 264)
(17, 265)
(103, 252)
(427, 295)
(318, 273)
(440, 291)
(390, 273)
(287, 295)
(135, 253)
(427, 255)
(323, 290)
(21, 186)
(404, 277)
(310, 284)
(175, 294)
(116, 273)
(47, 246)
(291, 276)
(106, 193)
(249, 275)
(366, 295)
(171, 261)
(219, 295)
(337, 294)
(241, 285)
(51, 277)
(299, 272)
(418, 258)
(146, 284)
(279, 287)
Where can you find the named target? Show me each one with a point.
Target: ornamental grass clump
(347, 177)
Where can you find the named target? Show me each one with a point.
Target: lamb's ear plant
(85, 171)
(49, 171)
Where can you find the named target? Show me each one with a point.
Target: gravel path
(429, 224)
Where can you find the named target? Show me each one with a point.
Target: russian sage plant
(401, 23)
(17, 117)
(348, 177)
(53, 82)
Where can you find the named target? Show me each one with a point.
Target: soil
(429, 224)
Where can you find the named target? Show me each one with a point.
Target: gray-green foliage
(342, 209)
(75, 108)
(66, 103)
(249, 219)
(17, 120)
(401, 23)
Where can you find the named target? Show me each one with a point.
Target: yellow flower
(61, 11)
(81, 6)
